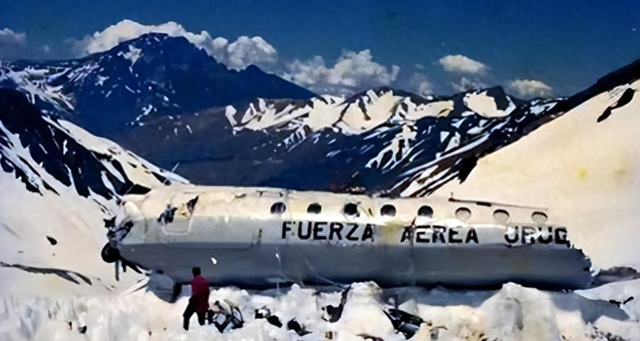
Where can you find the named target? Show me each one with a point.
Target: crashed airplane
(257, 237)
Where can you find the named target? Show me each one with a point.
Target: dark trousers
(189, 312)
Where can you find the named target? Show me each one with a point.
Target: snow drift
(363, 312)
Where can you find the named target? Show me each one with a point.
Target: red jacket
(200, 294)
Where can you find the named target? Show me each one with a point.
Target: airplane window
(539, 217)
(388, 210)
(501, 216)
(278, 208)
(425, 211)
(314, 208)
(351, 209)
(463, 213)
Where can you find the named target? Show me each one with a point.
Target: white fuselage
(259, 236)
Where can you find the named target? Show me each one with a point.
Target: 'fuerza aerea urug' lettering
(333, 231)
(423, 234)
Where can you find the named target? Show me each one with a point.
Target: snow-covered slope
(153, 75)
(57, 185)
(585, 166)
(48, 154)
(456, 164)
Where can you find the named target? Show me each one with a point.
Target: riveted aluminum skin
(255, 237)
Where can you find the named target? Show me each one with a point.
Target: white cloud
(244, 52)
(11, 42)
(45, 48)
(462, 64)
(530, 88)
(236, 55)
(421, 85)
(465, 84)
(353, 71)
(419, 66)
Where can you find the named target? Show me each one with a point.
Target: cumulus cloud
(421, 85)
(352, 71)
(462, 64)
(530, 88)
(236, 55)
(246, 51)
(465, 84)
(11, 42)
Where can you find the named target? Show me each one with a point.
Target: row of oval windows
(462, 213)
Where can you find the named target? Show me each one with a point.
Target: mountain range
(153, 75)
(177, 107)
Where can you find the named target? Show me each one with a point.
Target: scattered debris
(265, 313)
(404, 322)
(293, 324)
(225, 316)
(274, 320)
(336, 312)
(262, 313)
(297, 327)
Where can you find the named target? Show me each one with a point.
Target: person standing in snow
(199, 301)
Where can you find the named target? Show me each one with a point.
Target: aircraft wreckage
(256, 237)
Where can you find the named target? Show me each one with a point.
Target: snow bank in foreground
(512, 313)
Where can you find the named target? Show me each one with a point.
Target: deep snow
(511, 313)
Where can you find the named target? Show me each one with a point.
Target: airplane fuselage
(255, 237)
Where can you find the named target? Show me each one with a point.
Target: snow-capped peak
(133, 54)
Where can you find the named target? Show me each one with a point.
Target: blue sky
(565, 45)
